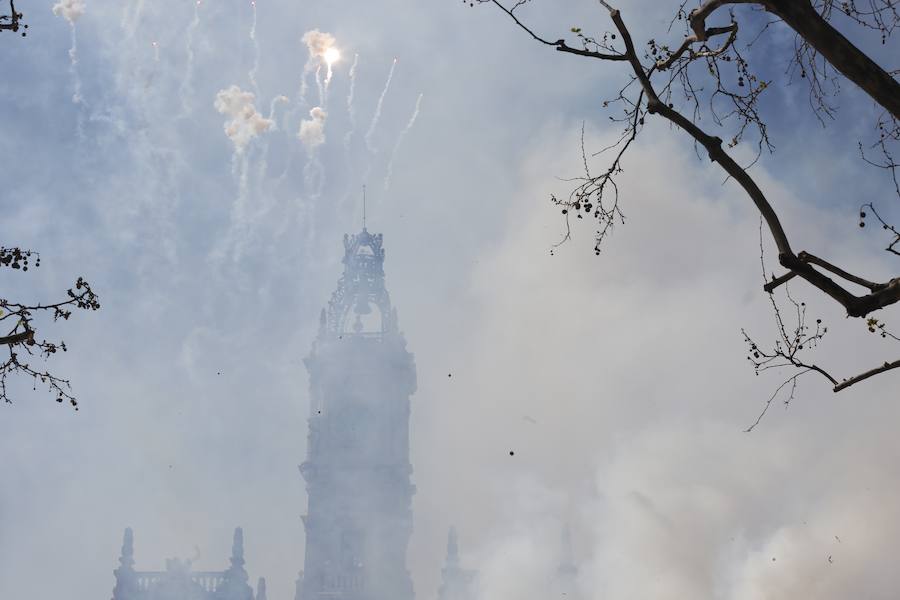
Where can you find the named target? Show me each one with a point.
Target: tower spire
(234, 584)
(126, 579)
(261, 589)
(452, 548)
(565, 583)
(127, 557)
(364, 207)
(567, 562)
(456, 583)
(237, 549)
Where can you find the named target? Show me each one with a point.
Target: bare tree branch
(21, 337)
(670, 76)
(862, 376)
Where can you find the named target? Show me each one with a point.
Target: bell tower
(357, 471)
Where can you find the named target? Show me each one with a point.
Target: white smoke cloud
(246, 122)
(318, 43)
(312, 130)
(70, 10)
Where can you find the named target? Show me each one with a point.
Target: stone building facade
(179, 582)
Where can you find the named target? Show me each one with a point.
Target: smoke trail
(240, 164)
(77, 98)
(275, 101)
(320, 85)
(352, 87)
(71, 11)
(239, 216)
(377, 115)
(304, 88)
(312, 135)
(130, 17)
(185, 89)
(314, 177)
(234, 240)
(328, 73)
(351, 111)
(263, 165)
(331, 56)
(253, 71)
(412, 121)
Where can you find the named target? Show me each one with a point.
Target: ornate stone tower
(357, 470)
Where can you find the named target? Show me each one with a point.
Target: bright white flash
(331, 55)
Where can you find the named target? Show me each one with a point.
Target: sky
(210, 223)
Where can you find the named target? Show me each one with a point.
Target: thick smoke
(70, 10)
(312, 130)
(246, 122)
